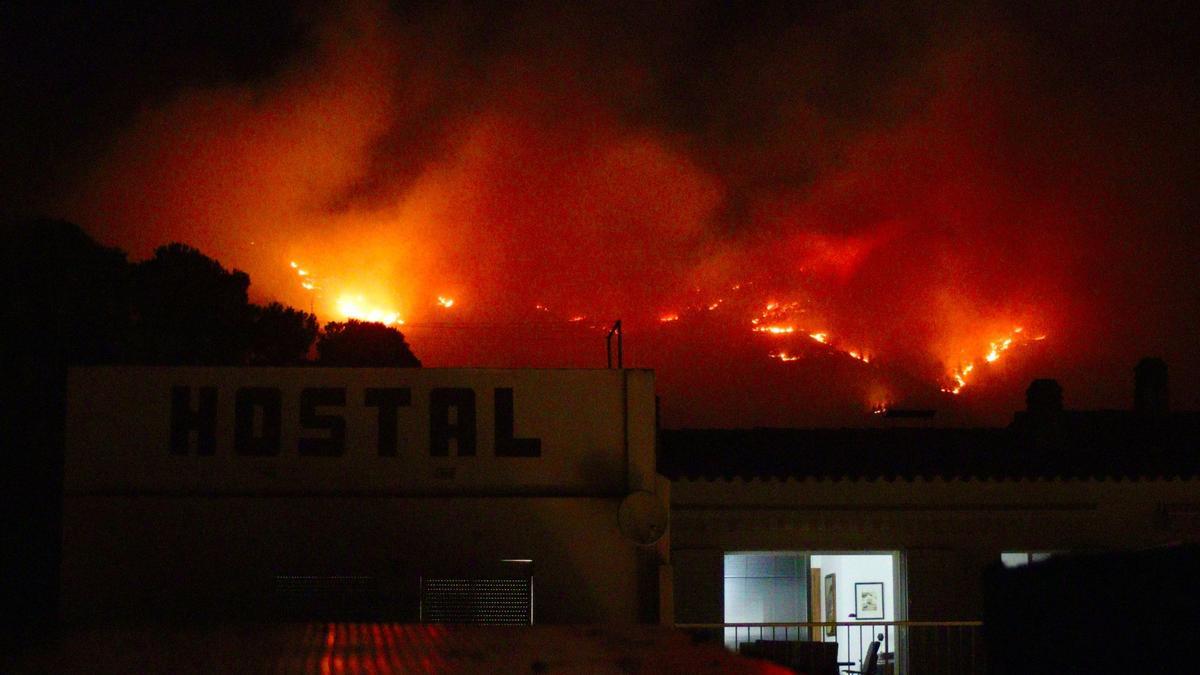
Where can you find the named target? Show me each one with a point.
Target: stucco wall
(146, 556)
(186, 496)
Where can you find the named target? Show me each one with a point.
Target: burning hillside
(816, 228)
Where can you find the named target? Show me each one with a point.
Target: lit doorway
(857, 589)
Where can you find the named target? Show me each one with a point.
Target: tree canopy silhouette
(280, 335)
(64, 295)
(188, 309)
(62, 301)
(361, 343)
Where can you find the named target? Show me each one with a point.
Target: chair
(870, 662)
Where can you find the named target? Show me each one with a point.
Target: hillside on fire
(824, 209)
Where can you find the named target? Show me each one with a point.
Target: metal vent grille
(479, 601)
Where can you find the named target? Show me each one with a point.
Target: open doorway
(856, 589)
(859, 590)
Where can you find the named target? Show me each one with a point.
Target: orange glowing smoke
(540, 191)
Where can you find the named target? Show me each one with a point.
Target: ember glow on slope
(350, 305)
(553, 186)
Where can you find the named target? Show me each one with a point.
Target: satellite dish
(642, 518)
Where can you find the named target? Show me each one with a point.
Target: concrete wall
(154, 528)
(399, 431)
(195, 556)
(698, 585)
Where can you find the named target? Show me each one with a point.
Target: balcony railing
(906, 647)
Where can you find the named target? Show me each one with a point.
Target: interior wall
(849, 570)
(766, 587)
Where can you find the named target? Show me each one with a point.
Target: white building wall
(181, 556)
(154, 529)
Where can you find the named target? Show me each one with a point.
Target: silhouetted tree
(361, 343)
(66, 300)
(280, 335)
(64, 296)
(188, 309)
(63, 301)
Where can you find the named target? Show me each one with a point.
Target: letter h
(185, 419)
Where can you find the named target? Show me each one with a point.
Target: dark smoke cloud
(75, 73)
(919, 178)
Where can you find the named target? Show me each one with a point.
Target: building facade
(261, 492)
(264, 491)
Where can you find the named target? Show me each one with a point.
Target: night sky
(899, 190)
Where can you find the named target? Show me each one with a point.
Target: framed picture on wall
(868, 601)
(830, 604)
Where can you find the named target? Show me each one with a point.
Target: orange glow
(539, 190)
(774, 313)
(960, 376)
(356, 307)
(775, 330)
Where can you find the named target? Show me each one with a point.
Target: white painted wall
(851, 569)
(154, 529)
(171, 556)
(595, 430)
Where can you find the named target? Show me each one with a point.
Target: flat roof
(1071, 445)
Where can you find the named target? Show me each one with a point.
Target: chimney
(1151, 398)
(1043, 399)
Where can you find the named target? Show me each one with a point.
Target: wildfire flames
(514, 227)
(960, 376)
(774, 319)
(356, 307)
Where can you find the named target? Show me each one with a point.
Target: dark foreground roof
(378, 648)
(1072, 445)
